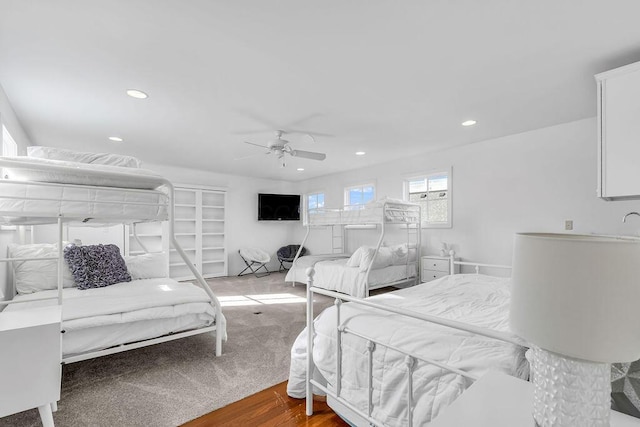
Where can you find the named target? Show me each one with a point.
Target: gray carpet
(174, 382)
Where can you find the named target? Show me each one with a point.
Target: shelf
(185, 220)
(216, 261)
(185, 234)
(212, 206)
(184, 205)
(213, 248)
(213, 234)
(212, 220)
(184, 249)
(146, 235)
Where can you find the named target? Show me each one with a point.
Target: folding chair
(288, 254)
(253, 257)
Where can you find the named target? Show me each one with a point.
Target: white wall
(526, 182)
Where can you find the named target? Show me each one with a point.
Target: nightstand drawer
(435, 264)
(429, 275)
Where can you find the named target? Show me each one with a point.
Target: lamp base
(570, 392)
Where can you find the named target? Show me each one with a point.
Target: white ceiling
(392, 78)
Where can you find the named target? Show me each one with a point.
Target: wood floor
(270, 407)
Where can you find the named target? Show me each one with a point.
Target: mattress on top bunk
(23, 168)
(94, 319)
(474, 299)
(41, 202)
(396, 211)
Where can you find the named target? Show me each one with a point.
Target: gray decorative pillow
(96, 266)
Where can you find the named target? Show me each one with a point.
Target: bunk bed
(368, 267)
(399, 358)
(151, 308)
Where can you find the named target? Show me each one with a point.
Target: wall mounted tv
(278, 207)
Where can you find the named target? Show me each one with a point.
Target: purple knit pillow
(96, 266)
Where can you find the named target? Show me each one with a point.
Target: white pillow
(356, 257)
(34, 276)
(399, 253)
(147, 266)
(54, 153)
(383, 259)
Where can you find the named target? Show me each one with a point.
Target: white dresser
(30, 357)
(434, 267)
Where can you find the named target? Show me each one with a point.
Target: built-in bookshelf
(200, 231)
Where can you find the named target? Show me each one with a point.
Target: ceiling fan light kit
(279, 147)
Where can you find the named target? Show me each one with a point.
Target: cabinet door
(620, 127)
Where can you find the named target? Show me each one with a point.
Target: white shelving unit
(200, 215)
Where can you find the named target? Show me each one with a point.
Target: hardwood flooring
(270, 407)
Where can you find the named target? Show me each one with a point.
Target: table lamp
(576, 300)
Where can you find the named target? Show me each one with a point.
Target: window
(9, 146)
(359, 195)
(433, 193)
(313, 201)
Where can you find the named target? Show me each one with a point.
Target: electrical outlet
(568, 224)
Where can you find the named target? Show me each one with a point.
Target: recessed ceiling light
(135, 93)
(360, 153)
(469, 123)
(300, 169)
(115, 139)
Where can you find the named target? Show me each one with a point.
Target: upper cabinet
(619, 133)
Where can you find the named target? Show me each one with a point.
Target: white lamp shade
(578, 295)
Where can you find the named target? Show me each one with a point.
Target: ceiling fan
(280, 147)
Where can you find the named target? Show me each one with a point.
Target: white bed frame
(334, 398)
(219, 327)
(341, 220)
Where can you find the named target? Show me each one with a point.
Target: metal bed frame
(219, 327)
(343, 407)
(412, 220)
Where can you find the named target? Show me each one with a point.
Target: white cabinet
(199, 229)
(30, 361)
(434, 267)
(619, 132)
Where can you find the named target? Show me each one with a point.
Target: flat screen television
(278, 207)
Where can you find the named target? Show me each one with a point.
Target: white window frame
(305, 206)
(426, 176)
(347, 190)
(9, 148)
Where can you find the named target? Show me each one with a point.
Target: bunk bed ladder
(337, 239)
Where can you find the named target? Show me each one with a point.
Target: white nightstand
(30, 361)
(434, 267)
(499, 400)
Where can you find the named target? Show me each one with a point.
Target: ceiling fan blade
(257, 145)
(308, 154)
(260, 119)
(309, 132)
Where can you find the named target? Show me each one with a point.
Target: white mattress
(475, 299)
(37, 203)
(334, 275)
(372, 213)
(95, 319)
(23, 168)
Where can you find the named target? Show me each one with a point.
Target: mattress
(334, 275)
(474, 299)
(95, 319)
(38, 203)
(64, 172)
(372, 213)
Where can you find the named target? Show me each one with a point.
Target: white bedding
(334, 275)
(99, 318)
(475, 299)
(24, 168)
(33, 202)
(396, 211)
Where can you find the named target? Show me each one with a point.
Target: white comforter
(126, 302)
(476, 299)
(334, 275)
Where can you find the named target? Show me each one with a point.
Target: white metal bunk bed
(336, 271)
(398, 358)
(49, 192)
